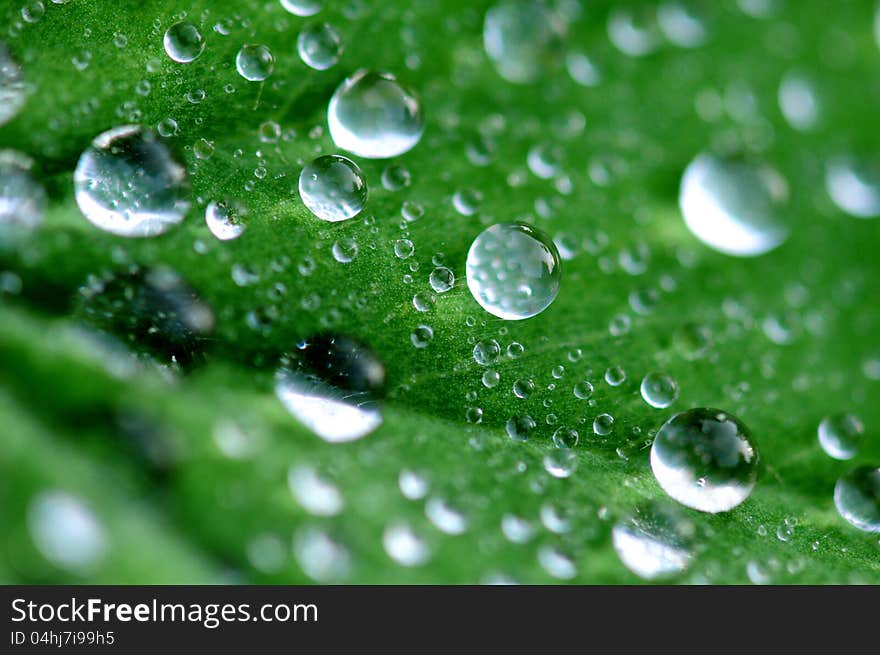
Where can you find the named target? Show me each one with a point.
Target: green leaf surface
(136, 441)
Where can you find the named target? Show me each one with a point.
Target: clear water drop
(314, 493)
(798, 101)
(319, 46)
(522, 39)
(374, 116)
(487, 352)
(560, 462)
(331, 384)
(705, 459)
(615, 376)
(853, 182)
(520, 427)
(734, 207)
(127, 183)
(321, 557)
(333, 188)
(656, 541)
(183, 42)
(583, 390)
(225, 219)
(66, 531)
(445, 518)
(659, 390)
(857, 498)
(254, 62)
(441, 279)
(840, 435)
(603, 425)
(513, 271)
(404, 546)
(422, 336)
(303, 8)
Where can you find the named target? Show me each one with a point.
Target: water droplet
(840, 435)
(225, 219)
(513, 271)
(798, 101)
(33, 11)
(732, 206)
(603, 425)
(659, 390)
(333, 188)
(344, 250)
(634, 31)
(520, 427)
(583, 390)
(315, 494)
(373, 115)
(853, 182)
(66, 532)
(254, 62)
(395, 177)
(422, 336)
(404, 546)
(320, 557)
(319, 46)
(303, 8)
(22, 198)
(857, 498)
(330, 384)
(442, 279)
(12, 89)
(444, 517)
(523, 388)
(467, 201)
(692, 340)
(491, 379)
(487, 352)
(615, 376)
(522, 39)
(560, 462)
(412, 485)
(152, 310)
(127, 183)
(517, 529)
(184, 42)
(705, 459)
(656, 541)
(556, 563)
(515, 349)
(565, 437)
(682, 24)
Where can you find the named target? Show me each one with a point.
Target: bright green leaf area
(71, 422)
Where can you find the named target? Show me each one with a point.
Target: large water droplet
(854, 185)
(705, 459)
(522, 39)
(732, 206)
(333, 188)
(183, 42)
(254, 62)
(319, 46)
(12, 89)
(857, 497)
(513, 271)
(330, 384)
(798, 101)
(373, 115)
(656, 541)
(127, 183)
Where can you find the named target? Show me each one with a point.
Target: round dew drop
(127, 183)
(224, 219)
(841, 435)
(254, 62)
(302, 8)
(333, 188)
(374, 116)
(854, 185)
(22, 198)
(319, 46)
(857, 498)
(705, 459)
(522, 39)
(183, 42)
(513, 271)
(659, 390)
(12, 89)
(656, 541)
(732, 206)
